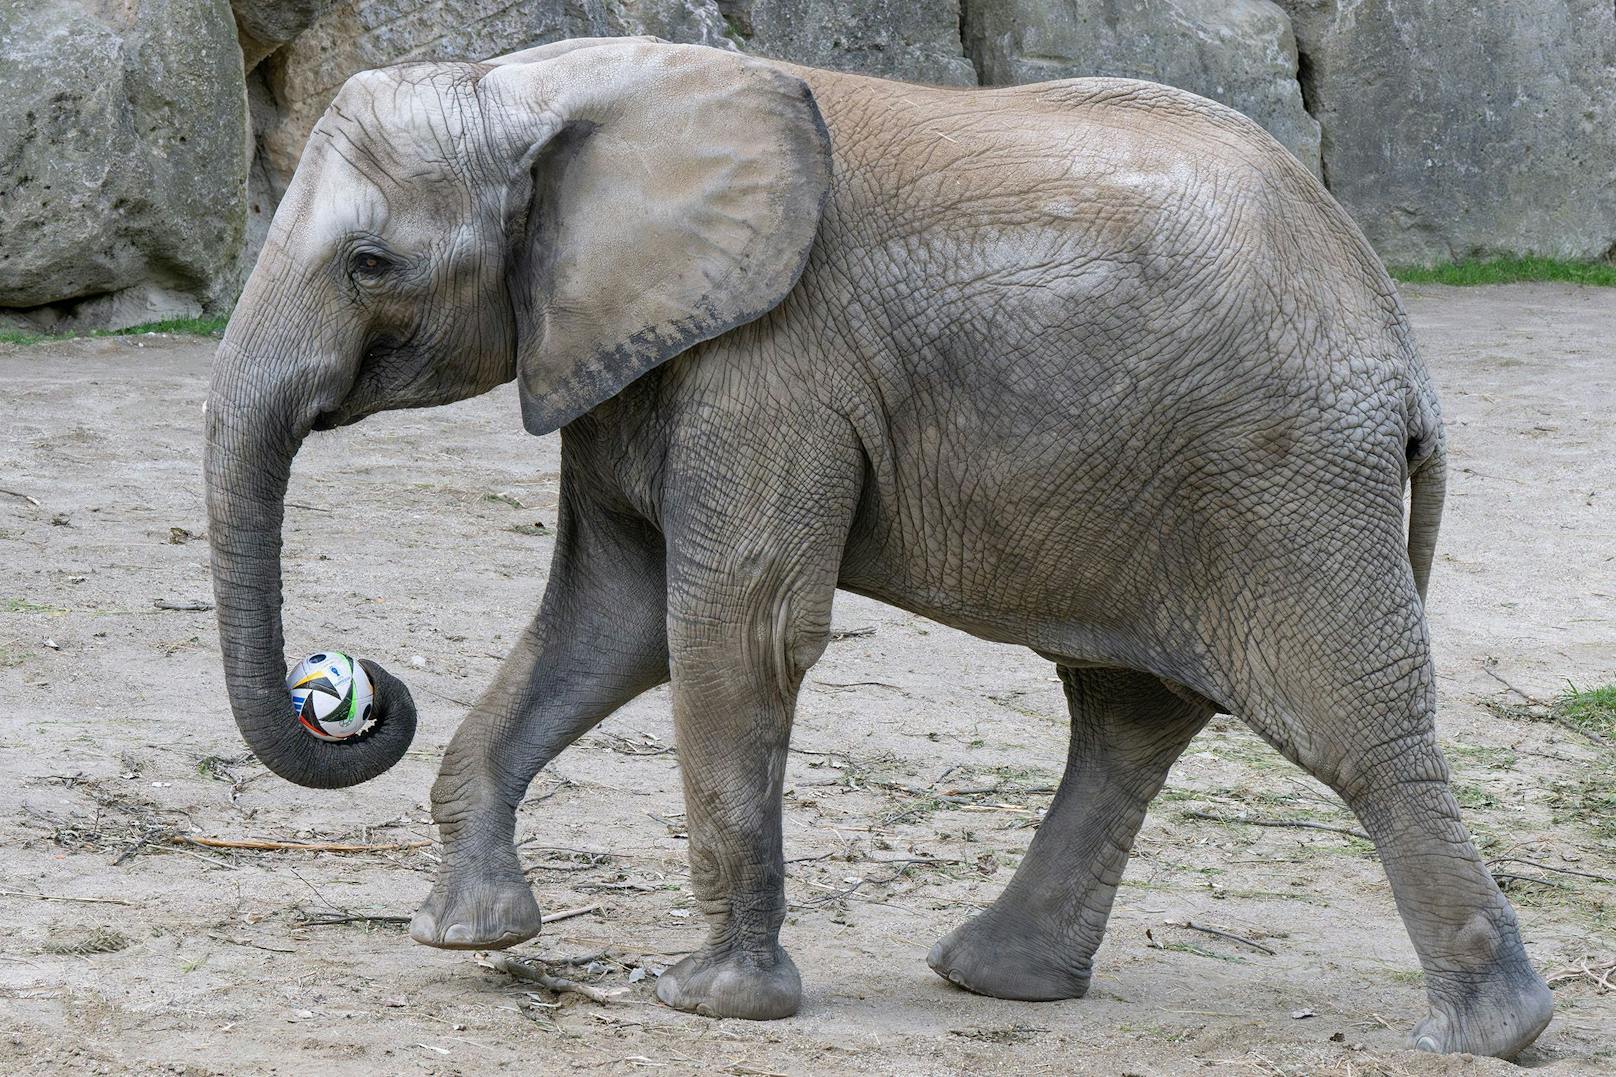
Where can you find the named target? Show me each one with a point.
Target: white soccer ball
(331, 695)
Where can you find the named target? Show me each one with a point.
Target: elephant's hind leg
(598, 641)
(1355, 705)
(1485, 996)
(1037, 941)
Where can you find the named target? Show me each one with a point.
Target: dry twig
(1551, 867)
(1599, 974)
(532, 972)
(328, 919)
(568, 914)
(1253, 820)
(1255, 945)
(64, 897)
(187, 606)
(295, 846)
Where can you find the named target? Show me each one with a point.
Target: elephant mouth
(339, 416)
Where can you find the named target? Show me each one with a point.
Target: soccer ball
(331, 695)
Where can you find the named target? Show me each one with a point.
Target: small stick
(34, 501)
(1551, 867)
(912, 860)
(295, 846)
(1487, 668)
(1505, 877)
(64, 897)
(854, 684)
(577, 959)
(1558, 719)
(247, 942)
(328, 919)
(1252, 820)
(1599, 974)
(188, 606)
(531, 972)
(1255, 945)
(568, 914)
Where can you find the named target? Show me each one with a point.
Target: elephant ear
(661, 195)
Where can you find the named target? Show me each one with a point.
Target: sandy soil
(412, 541)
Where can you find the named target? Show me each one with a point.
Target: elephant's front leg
(749, 605)
(734, 695)
(598, 641)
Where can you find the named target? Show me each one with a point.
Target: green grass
(1472, 797)
(22, 605)
(210, 327)
(1511, 270)
(1589, 801)
(1593, 710)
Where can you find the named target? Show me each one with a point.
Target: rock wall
(123, 151)
(265, 25)
(916, 40)
(1456, 127)
(1447, 127)
(1239, 52)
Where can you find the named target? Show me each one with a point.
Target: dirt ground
(922, 759)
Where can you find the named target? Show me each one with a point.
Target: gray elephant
(1093, 367)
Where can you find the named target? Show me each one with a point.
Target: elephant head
(570, 218)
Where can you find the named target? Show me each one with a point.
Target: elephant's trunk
(254, 428)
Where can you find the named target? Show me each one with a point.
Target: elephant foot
(718, 983)
(1498, 1017)
(1007, 956)
(485, 914)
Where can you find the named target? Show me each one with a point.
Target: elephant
(1091, 367)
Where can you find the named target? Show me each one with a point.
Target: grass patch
(1189, 948)
(1589, 801)
(504, 499)
(1592, 710)
(201, 327)
(1472, 797)
(22, 605)
(1512, 270)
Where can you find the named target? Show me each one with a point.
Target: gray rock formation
(123, 160)
(262, 26)
(1239, 52)
(914, 40)
(1449, 127)
(1454, 128)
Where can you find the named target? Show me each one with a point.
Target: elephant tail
(1428, 485)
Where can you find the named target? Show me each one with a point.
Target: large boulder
(1454, 128)
(1239, 52)
(262, 26)
(915, 40)
(123, 160)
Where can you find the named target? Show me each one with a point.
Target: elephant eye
(369, 265)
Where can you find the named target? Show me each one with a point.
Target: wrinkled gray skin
(1093, 367)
